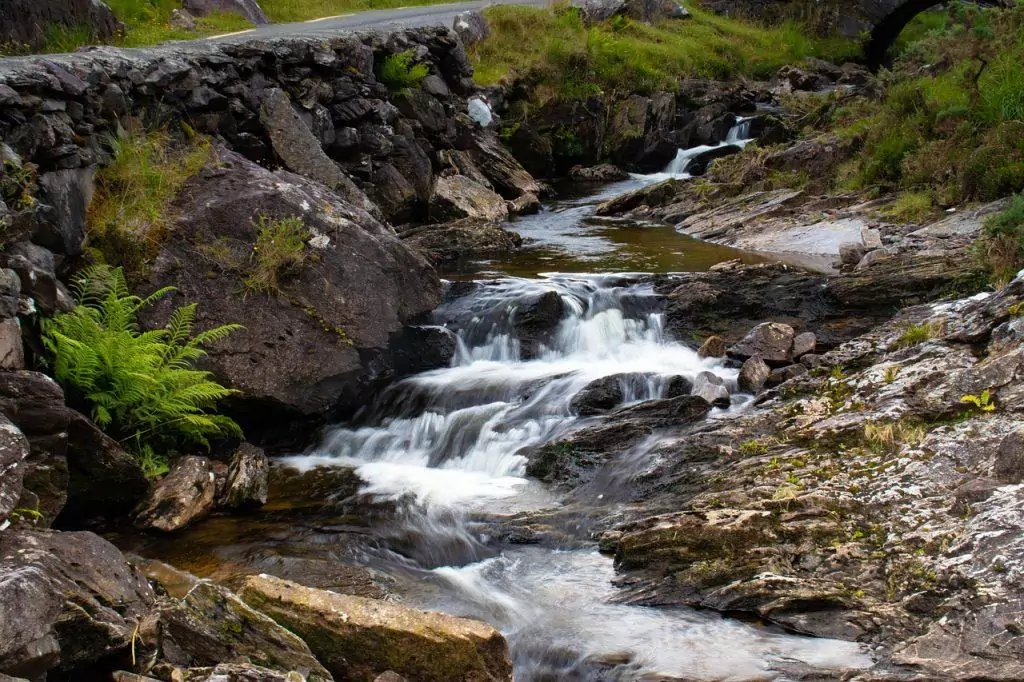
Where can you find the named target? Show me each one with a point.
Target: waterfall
(738, 136)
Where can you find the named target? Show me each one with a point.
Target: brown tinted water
(566, 236)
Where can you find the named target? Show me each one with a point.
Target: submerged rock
(359, 638)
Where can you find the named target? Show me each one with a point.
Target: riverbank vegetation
(557, 52)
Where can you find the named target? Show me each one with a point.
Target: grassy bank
(281, 11)
(556, 50)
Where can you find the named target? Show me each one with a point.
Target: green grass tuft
(280, 249)
(401, 71)
(1001, 247)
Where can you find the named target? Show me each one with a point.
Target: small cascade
(738, 136)
(456, 453)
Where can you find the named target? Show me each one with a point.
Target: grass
(555, 49)
(950, 120)
(279, 11)
(128, 217)
(401, 72)
(279, 250)
(915, 335)
(890, 437)
(911, 207)
(1001, 247)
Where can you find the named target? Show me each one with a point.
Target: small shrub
(401, 72)
(1001, 247)
(911, 207)
(141, 387)
(279, 250)
(915, 335)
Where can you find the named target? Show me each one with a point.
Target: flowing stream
(445, 452)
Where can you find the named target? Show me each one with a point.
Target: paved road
(407, 17)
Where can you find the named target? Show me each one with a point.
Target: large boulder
(506, 174)
(771, 341)
(249, 10)
(456, 197)
(471, 27)
(65, 196)
(358, 638)
(27, 22)
(73, 470)
(321, 338)
(67, 600)
(182, 497)
(211, 626)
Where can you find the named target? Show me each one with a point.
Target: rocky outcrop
(462, 240)
(211, 626)
(67, 601)
(73, 471)
(185, 495)
(357, 286)
(24, 23)
(14, 449)
(357, 638)
(456, 197)
(249, 10)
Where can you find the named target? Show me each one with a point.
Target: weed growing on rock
(753, 448)
(18, 185)
(890, 437)
(280, 249)
(401, 71)
(911, 207)
(141, 386)
(915, 335)
(128, 216)
(1001, 247)
(980, 403)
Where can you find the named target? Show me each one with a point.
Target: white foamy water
(448, 446)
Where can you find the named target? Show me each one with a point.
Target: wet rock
(360, 638)
(710, 388)
(653, 195)
(212, 626)
(753, 375)
(67, 598)
(699, 164)
(1009, 464)
(456, 197)
(14, 449)
(803, 344)
(246, 486)
(460, 240)
(604, 172)
(185, 495)
(535, 320)
(527, 204)
(771, 341)
(506, 174)
(249, 10)
(358, 286)
(599, 396)
(471, 27)
(66, 195)
(713, 347)
(302, 152)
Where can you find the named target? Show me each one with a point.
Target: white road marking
(228, 35)
(336, 16)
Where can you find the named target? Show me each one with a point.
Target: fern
(141, 386)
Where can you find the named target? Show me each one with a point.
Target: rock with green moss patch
(359, 638)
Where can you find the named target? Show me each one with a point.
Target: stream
(441, 457)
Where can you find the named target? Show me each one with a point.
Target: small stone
(183, 496)
(712, 389)
(713, 347)
(753, 375)
(872, 238)
(876, 256)
(784, 374)
(850, 253)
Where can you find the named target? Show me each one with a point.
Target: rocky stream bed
(499, 431)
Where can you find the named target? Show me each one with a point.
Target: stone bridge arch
(887, 19)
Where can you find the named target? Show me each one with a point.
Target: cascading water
(738, 136)
(446, 449)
